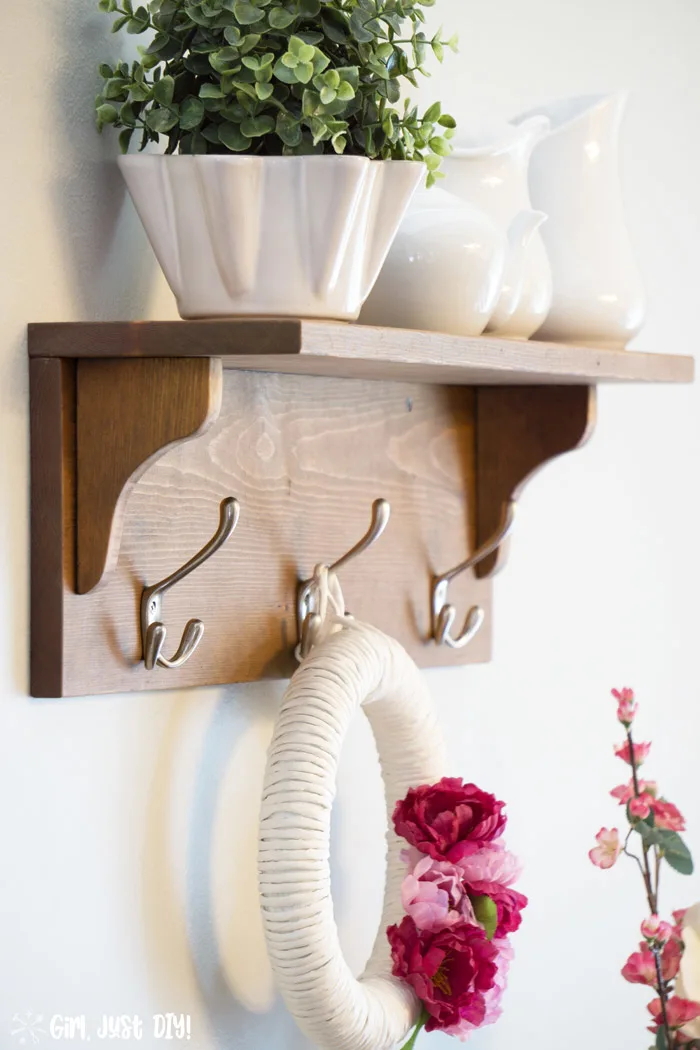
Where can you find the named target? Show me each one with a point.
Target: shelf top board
(330, 348)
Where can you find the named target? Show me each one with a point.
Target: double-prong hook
(444, 614)
(153, 632)
(309, 618)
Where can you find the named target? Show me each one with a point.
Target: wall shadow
(110, 265)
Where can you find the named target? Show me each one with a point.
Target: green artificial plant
(272, 77)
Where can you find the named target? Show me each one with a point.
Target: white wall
(127, 880)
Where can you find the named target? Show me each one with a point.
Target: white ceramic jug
(445, 269)
(489, 169)
(598, 298)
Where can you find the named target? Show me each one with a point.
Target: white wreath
(357, 667)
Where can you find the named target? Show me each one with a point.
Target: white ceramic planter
(275, 236)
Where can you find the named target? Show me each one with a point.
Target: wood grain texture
(518, 429)
(345, 350)
(128, 412)
(305, 456)
(52, 435)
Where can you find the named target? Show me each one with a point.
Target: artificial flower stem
(414, 1034)
(645, 850)
(652, 898)
(655, 951)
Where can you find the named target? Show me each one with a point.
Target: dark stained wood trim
(128, 414)
(52, 430)
(165, 338)
(518, 430)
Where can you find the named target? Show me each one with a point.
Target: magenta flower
(446, 819)
(639, 807)
(608, 849)
(641, 751)
(655, 929)
(679, 1011)
(450, 971)
(492, 998)
(667, 816)
(626, 705)
(434, 896)
(624, 792)
(640, 968)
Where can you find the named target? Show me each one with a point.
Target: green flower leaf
(486, 913)
(233, 138)
(107, 114)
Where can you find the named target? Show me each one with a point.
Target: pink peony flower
(433, 895)
(640, 807)
(450, 970)
(492, 998)
(641, 751)
(608, 849)
(446, 819)
(667, 816)
(626, 705)
(655, 929)
(678, 1011)
(490, 863)
(624, 792)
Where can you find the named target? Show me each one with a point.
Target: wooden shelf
(325, 348)
(139, 430)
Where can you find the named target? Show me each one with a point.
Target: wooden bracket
(128, 414)
(518, 430)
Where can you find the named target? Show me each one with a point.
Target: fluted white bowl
(275, 236)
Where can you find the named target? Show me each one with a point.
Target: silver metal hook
(153, 632)
(444, 614)
(307, 620)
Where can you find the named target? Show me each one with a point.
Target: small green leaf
(247, 14)
(304, 72)
(233, 138)
(125, 139)
(191, 113)
(280, 18)
(263, 91)
(161, 120)
(446, 121)
(211, 91)
(107, 114)
(675, 851)
(486, 913)
(106, 72)
(288, 129)
(432, 113)
(440, 146)
(164, 90)
(254, 127)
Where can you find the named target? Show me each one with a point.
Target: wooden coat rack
(139, 431)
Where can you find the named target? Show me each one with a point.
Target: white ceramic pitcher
(489, 169)
(447, 266)
(598, 297)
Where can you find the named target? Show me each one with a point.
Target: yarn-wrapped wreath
(358, 667)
